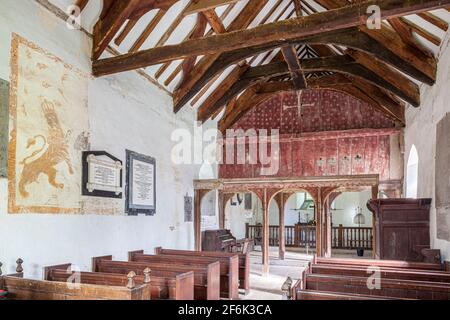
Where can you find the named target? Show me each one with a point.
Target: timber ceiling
(222, 56)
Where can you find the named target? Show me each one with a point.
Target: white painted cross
(299, 106)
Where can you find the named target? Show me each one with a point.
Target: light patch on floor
(296, 260)
(269, 287)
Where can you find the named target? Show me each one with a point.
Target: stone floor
(269, 287)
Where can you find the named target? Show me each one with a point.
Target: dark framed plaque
(140, 191)
(188, 208)
(102, 175)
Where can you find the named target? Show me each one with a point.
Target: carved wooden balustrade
(301, 236)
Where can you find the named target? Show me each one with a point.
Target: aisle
(269, 287)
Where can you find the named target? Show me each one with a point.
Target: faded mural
(49, 128)
(4, 132)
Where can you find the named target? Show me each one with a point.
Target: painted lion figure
(53, 151)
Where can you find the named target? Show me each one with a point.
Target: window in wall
(412, 172)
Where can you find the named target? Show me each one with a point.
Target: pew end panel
(233, 278)
(213, 276)
(131, 254)
(96, 260)
(184, 288)
(48, 269)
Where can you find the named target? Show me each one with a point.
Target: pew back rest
(323, 295)
(388, 287)
(244, 261)
(389, 273)
(27, 289)
(379, 263)
(207, 276)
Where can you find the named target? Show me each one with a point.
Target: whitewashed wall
(126, 112)
(421, 131)
(347, 203)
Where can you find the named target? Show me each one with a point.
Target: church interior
(225, 150)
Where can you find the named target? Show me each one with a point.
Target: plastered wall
(125, 112)
(421, 131)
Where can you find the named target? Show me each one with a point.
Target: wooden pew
(393, 288)
(177, 287)
(229, 268)
(206, 277)
(322, 295)
(379, 263)
(387, 273)
(244, 262)
(26, 289)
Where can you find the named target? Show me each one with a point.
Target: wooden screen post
(221, 210)
(327, 223)
(319, 224)
(281, 232)
(265, 236)
(198, 196)
(340, 236)
(197, 220)
(375, 255)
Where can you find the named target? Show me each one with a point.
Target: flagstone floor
(269, 287)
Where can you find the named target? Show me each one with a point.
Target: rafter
(243, 20)
(178, 69)
(290, 56)
(199, 30)
(435, 20)
(115, 14)
(288, 29)
(400, 86)
(298, 7)
(197, 6)
(349, 38)
(258, 93)
(214, 21)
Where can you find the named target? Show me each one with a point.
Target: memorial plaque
(102, 175)
(188, 208)
(141, 184)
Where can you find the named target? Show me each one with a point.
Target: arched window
(412, 172)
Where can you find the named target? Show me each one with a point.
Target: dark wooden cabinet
(402, 228)
(218, 240)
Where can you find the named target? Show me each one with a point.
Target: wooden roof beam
(197, 6)
(359, 89)
(115, 14)
(290, 56)
(349, 38)
(349, 16)
(400, 86)
(214, 21)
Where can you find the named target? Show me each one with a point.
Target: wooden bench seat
(379, 263)
(244, 262)
(388, 287)
(206, 277)
(173, 287)
(323, 295)
(387, 273)
(26, 289)
(229, 268)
